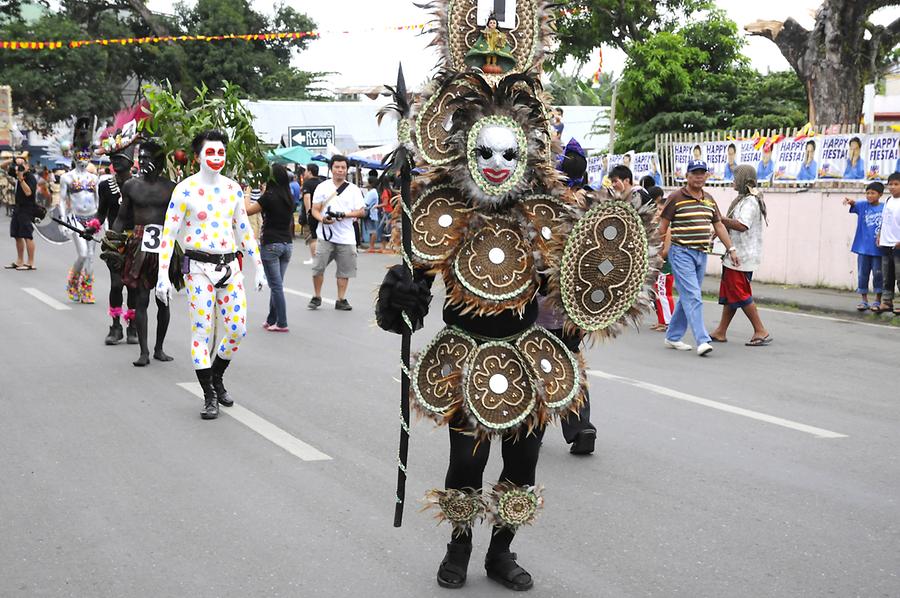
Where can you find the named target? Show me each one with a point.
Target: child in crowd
(868, 255)
(665, 303)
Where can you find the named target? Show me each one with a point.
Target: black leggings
(467, 465)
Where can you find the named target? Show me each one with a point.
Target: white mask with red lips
(212, 159)
(496, 153)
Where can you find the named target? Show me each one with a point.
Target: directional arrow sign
(312, 138)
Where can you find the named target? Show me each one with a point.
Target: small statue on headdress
(492, 52)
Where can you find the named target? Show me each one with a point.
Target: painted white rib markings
(45, 298)
(307, 295)
(264, 428)
(683, 396)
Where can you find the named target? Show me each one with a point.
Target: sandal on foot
(862, 306)
(12, 266)
(504, 569)
(759, 342)
(875, 307)
(713, 339)
(452, 572)
(26, 267)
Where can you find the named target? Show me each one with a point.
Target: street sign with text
(313, 138)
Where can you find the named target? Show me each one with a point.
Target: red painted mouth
(215, 165)
(495, 176)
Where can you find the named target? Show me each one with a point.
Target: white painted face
(496, 153)
(212, 157)
(82, 159)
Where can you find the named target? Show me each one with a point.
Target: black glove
(397, 294)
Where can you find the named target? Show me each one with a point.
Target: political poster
(596, 169)
(840, 158)
(760, 158)
(881, 154)
(682, 154)
(796, 160)
(721, 158)
(646, 164)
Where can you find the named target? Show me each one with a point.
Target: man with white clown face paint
(206, 217)
(496, 153)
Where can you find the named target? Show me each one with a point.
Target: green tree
(695, 78)
(570, 90)
(49, 86)
(584, 25)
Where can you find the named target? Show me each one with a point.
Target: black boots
(210, 405)
(452, 572)
(131, 336)
(115, 335)
(218, 370)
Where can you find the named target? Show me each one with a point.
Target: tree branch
(790, 37)
(158, 27)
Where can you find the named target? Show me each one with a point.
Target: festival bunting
(126, 41)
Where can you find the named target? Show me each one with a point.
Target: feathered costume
(494, 218)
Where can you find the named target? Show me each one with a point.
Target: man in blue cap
(694, 217)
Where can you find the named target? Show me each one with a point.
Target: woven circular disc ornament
(553, 364)
(436, 375)
(545, 213)
(497, 387)
(603, 266)
(436, 218)
(496, 263)
(497, 154)
(432, 126)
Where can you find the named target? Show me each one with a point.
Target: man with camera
(21, 227)
(335, 204)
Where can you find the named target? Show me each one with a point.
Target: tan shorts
(344, 255)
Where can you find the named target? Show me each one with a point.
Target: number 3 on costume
(152, 240)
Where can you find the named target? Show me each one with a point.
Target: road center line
(45, 298)
(264, 428)
(675, 394)
(307, 295)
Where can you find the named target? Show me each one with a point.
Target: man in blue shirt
(766, 168)
(809, 168)
(854, 170)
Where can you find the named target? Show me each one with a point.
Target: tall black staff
(400, 162)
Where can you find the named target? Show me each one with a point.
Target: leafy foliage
(49, 86)
(696, 79)
(586, 24)
(570, 90)
(175, 123)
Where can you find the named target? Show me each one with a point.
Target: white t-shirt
(341, 232)
(748, 243)
(890, 223)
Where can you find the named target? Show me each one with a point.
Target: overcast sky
(357, 45)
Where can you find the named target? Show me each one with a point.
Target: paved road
(753, 472)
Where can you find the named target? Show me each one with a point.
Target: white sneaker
(307, 262)
(704, 349)
(678, 345)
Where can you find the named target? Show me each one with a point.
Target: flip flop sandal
(759, 342)
(875, 307)
(717, 340)
(12, 266)
(504, 569)
(862, 306)
(26, 267)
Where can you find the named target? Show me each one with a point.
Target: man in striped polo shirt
(693, 217)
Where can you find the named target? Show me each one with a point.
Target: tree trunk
(834, 60)
(158, 27)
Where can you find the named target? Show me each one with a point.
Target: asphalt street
(757, 471)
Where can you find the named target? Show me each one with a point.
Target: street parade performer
(206, 217)
(109, 192)
(491, 215)
(145, 201)
(78, 206)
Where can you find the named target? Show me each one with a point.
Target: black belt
(209, 258)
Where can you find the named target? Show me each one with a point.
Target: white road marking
(675, 394)
(307, 295)
(45, 298)
(264, 428)
(760, 307)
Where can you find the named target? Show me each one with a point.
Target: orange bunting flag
(805, 132)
